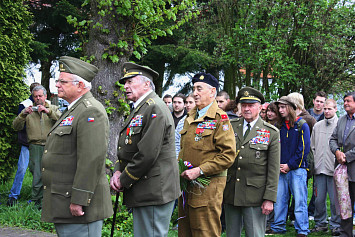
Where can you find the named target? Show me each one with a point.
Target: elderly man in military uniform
(76, 192)
(146, 171)
(208, 143)
(252, 180)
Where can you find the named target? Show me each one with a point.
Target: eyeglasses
(62, 82)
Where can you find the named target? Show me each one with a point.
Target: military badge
(137, 121)
(207, 124)
(198, 134)
(246, 93)
(61, 67)
(262, 137)
(202, 77)
(225, 127)
(224, 117)
(67, 121)
(257, 154)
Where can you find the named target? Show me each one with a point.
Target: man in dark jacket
(317, 111)
(146, 172)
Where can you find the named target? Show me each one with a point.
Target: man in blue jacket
(295, 145)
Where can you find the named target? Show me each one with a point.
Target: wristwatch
(201, 172)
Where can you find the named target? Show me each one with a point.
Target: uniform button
(258, 148)
(238, 180)
(242, 147)
(145, 177)
(67, 193)
(44, 187)
(49, 134)
(45, 151)
(238, 168)
(61, 132)
(240, 157)
(89, 200)
(119, 147)
(42, 169)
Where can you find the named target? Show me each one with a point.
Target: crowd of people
(256, 156)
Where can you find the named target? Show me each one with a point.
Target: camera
(34, 108)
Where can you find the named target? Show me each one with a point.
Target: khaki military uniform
(73, 164)
(146, 155)
(214, 152)
(254, 175)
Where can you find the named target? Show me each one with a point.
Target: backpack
(310, 156)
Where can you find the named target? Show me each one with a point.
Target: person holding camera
(39, 118)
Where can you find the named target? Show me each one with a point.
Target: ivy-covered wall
(14, 56)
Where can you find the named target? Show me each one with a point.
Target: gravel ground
(18, 232)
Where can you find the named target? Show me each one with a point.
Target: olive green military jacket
(254, 176)
(146, 155)
(37, 124)
(73, 164)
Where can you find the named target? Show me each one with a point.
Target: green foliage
(14, 55)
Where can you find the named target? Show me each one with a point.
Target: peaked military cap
(250, 95)
(286, 100)
(132, 70)
(77, 67)
(206, 78)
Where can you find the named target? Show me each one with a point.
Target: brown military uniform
(214, 152)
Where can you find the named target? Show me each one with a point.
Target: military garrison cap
(250, 95)
(206, 78)
(287, 100)
(132, 70)
(78, 67)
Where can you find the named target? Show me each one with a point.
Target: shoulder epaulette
(87, 103)
(270, 126)
(150, 101)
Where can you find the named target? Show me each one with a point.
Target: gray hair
(215, 93)
(40, 87)
(145, 79)
(77, 79)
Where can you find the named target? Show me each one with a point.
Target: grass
(26, 215)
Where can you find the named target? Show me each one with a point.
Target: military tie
(131, 107)
(247, 131)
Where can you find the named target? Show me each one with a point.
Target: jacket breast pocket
(63, 140)
(60, 200)
(132, 139)
(258, 153)
(205, 141)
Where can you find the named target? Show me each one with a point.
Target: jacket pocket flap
(64, 130)
(62, 189)
(183, 131)
(259, 147)
(152, 173)
(256, 182)
(207, 132)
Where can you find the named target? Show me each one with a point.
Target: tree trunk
(103, 86)
(46, 74)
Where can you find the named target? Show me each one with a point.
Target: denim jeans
(324, 184)
(296, 181)
(20, 173)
